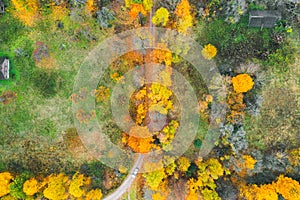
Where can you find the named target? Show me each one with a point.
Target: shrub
(242, 83)
(209, 51)
(104, 17)
(31, 187)
(5, 178)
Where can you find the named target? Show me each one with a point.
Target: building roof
(4, 68)
(264, 18)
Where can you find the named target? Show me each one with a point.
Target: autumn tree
(156, 175)
(91, 6)
(161, 17)
(140, 139)
(184, 17)
(56, 187)
(31, 187)
(77, 182)
(183, 164)
(95, 194)
(5, 179)
(26, 11)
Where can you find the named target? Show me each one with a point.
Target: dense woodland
(257, 153)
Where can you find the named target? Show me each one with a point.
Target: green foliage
(198, 143)
(16, 187)
(94, 169)
(47, 82)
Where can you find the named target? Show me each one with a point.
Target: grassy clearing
(278, 123)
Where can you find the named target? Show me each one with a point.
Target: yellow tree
(56, 187)
(183, 164)
(161, 16)
(184, 17)
(95, 194)
(31, 187)
(26, 11)
(91, 6)
(5, 179)
(140, 139)
(78, 181)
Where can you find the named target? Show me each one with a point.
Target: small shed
(4, 68)
(2, 7)
(264, 18)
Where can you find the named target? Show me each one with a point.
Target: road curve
(127, 182)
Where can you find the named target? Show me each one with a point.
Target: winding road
(128, 181)
(117, 194)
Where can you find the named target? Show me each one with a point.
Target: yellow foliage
(5, 178)
(147, 4)
(209, 171)
(58, 12)
(78, 180)
(26, 11)
(159, 100)
(249, 161)
(102, 93)
(94, 195)
(242, 83)
(31, 187)
(154, 178)
(56, 187)
(161, 16)
(288, 188)
(183, 164)
(91, 6)
(158, 196)
(253, 192)
(192, 196)
(185, 19)
(294, 157)
(209, 51)
(123, 169)
(116, 76)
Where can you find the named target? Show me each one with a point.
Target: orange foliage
(185, 18)
(159, 56)
(136, 9)
(236, 107)
(91, 6)
(140, 145)
(140, 139)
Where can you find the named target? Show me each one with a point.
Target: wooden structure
(4, 68)
(264, 18)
